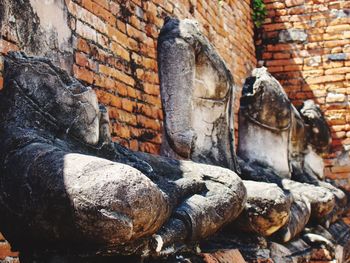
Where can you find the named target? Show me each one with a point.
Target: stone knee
(113, 202)
(321, 199)
(267, 209)
(221, 202)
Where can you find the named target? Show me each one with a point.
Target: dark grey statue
(64, 183)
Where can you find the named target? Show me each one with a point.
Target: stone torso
(197, 95)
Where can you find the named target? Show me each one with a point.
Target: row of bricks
(133, 119)
(136, 145)
(142, 135)
(308, 55)
(149, 94)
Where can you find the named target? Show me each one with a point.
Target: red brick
(151, 89)
(81, 59)
(121, 26)
(122, 116)
(293, 68)
(341, 169)
(6, 46)
(342, 70)
(114, 8)
(99, 11)
(118, 50)
(337, 28)
(121, 88)
(273, 69)
(324, 79)
(117, 74)
(86, 16)
(102, 3)
(104, 97)
(281, 55)
(134, 145)
(275, 5)
(86, 31)
(135, 33)
(5, 251)
(154, 100)
(280, 47)
(148, 123)
(296, 10)
(83, 74)
(121, 130)
(148, 110)
(290, 3)
(117, 36)
(82, 45)
(283, 62)
(128, 105)
(149, 147)
(277, 26)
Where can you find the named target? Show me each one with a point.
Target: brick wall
(116, 52)
(306, 45)
(113, 48)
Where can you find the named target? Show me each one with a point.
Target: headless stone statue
(197, 94)
(276, 142)
(65, 185)
(292, 138)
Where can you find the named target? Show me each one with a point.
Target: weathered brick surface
(115, 52)
(115, 44)
(5, 251)
(306, 46)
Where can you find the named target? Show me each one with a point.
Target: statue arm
(177, 68)
(71, 194)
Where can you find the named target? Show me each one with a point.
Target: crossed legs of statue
(197, 94)
(64, 183)
(273, 143)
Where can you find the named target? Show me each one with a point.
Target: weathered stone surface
(335, 239)
(300, 213)
(294, 251)
(292, 36)
(264, 122)
(64, 184)
(254, 248)
(267, 208)
(203, 212)
(341, 235)
(40, 29)
(197, 96)
(322, 201)
(317, 130)
(300, 207)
